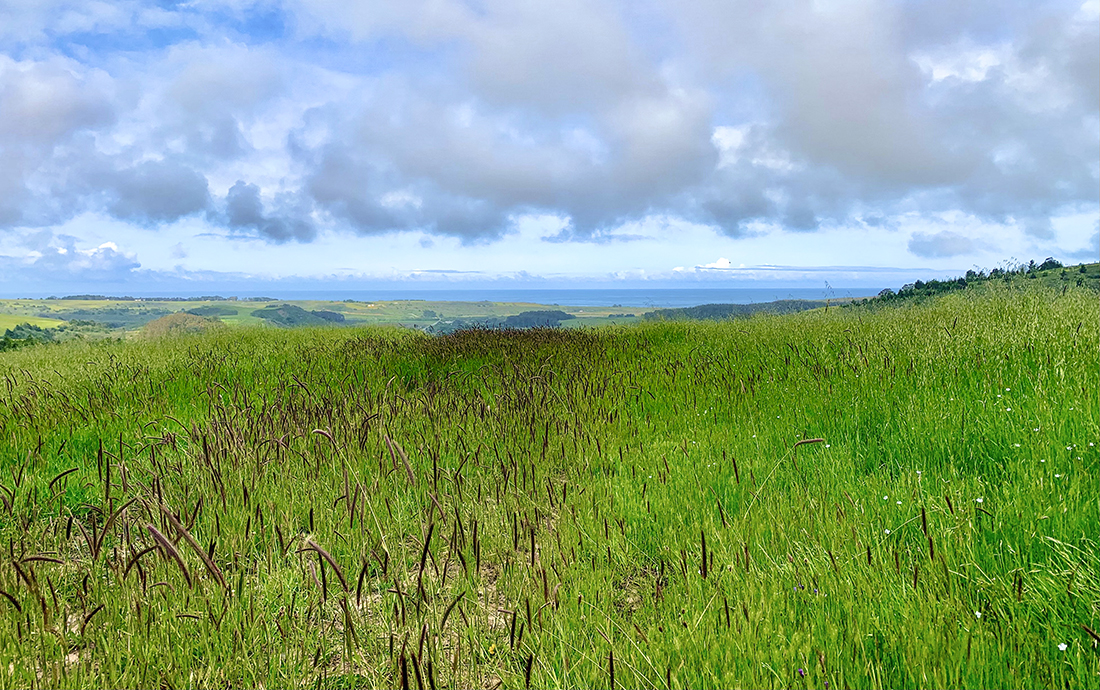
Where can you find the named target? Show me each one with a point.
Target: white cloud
(968, 65)
(1089, 11)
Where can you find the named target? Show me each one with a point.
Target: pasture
(869, 497)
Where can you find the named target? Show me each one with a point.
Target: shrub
(180, 323)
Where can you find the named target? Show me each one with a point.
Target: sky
(334, 144)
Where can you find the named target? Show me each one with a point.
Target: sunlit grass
(12, 320)
(496, 508)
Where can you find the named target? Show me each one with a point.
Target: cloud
(214, 96)
(45, 106)
(57, 258)
(1039, 228)
(941, 244)
(1092, 251)
(158, 192)
(244, 210)
(470, 168)
(434, 116)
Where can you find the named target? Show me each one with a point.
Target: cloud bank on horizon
(954, 128)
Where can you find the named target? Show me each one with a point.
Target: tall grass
(627, 506)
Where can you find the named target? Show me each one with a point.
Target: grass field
(132, 314)
(876, 498)
(10, 321)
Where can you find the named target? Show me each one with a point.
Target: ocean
(633, 297)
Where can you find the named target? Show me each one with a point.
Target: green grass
(11, 321)
(505, 501)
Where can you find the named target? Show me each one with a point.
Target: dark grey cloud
(243, 207)
(1039, 228)
(244, 210)
(158, 192)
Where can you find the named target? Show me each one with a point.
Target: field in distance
(100, 316)
(9, 320)
(128, 315)
(879, 496)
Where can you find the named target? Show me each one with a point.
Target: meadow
(880, 496)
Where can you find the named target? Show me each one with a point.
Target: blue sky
(527, 142)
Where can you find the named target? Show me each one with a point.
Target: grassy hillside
(1049, 274)
(889, 497)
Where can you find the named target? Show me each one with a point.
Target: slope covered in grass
(348, 507)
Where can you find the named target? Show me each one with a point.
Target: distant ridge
(719, 312)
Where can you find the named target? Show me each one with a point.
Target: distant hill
(213, 310)
(330, 316)
(721, 312)
(549, 318)
(1050, 273)
(533, 319)
(291, 315)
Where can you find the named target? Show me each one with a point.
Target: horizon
(607, 297)
(540, 145)
(813, 283)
